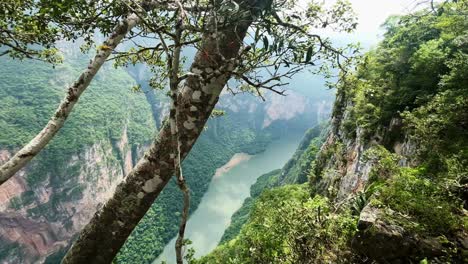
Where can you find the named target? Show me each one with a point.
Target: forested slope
(389, 184)
(51, 200)
(295, 171)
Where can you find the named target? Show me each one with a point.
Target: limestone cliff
(41, 230)
(349, 166)
(342, 168)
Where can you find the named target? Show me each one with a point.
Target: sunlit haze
(371, 15)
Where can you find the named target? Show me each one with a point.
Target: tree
(34, 37)
(253, 44)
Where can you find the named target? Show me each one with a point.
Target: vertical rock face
(11, 189)
(142, 75)
(343, 168)
(293, 109)
(349, 161)
(40, 232)
(297, 105)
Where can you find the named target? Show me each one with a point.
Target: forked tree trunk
(108, 230)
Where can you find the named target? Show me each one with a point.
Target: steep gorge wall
(390, 182)
(408, 211)
(342, 169)
(44, 206)
(48, 222)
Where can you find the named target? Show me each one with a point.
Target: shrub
(424, 200)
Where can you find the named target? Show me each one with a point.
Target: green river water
(226, 194)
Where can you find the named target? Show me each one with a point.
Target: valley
(301, 132)
(225, 195)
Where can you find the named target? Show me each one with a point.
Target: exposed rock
(344, 168)
(381, 238)
(296, 105)
(12, 188)
(275, 108)
(99, 172)
(125, 149)
(368, 217)
(36, 237)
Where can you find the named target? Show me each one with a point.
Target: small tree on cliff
(242, 46)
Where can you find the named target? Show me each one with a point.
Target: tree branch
(30, 150)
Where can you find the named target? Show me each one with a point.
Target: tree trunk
(108, 230)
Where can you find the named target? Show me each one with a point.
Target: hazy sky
(372, 13)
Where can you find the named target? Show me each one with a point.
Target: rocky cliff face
(42, 231)
(294, 109)
(342, 168)
(347, 166)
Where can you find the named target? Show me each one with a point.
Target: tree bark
(108, 230)
(29, 151)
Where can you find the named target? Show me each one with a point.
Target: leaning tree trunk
(108, 230)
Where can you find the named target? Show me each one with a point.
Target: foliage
(11, 250)
(384, 163)
(297, 168)
(287, 226)
(418, 73)
(29, 102)
(419, 67)
(440, 126)
(429, 206)
(31, 29)
(329, 151)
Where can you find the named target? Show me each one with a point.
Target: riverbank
(226, 193)
(234, 161)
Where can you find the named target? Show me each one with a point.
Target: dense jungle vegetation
(418, 74)
(400, 118)
(28, 102)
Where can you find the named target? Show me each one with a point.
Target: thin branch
(173, 67)
(124, 54)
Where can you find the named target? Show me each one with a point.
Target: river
(226, 194)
